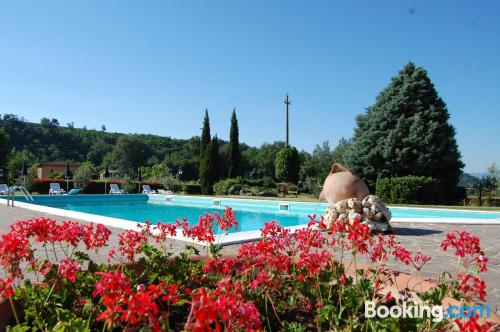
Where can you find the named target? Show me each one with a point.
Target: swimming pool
(251, 214)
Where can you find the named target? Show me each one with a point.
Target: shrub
(129, 185)
(191, 188)
(408, 190)
(287, 165)
(312, 185)
(84, 174)
(222, 187)
(42, 186)
(268, 182)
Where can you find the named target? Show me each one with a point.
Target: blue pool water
(251, 214)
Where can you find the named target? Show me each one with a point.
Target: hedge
(409, 190)
(222, 187)
(42, 186)
(192, 188)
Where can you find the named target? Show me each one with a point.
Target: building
(58, 166)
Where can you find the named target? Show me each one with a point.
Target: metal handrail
(11, 193)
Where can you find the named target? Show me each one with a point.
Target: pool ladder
(12, 193)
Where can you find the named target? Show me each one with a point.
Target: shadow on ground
(406, 231)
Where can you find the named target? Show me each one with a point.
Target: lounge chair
(4, 189)
(115, 189)
(55, 189)
(164, 192)
(146, 189)
(74, 191)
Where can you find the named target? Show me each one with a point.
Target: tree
(317, 164)
(339, 153)
(15, 164)
(288, 165)
(84, 174)
(4, 138)
(205, 133)
(406, 132)
(214, 161)
(206, 174)
(234, 158)
(129, 153)
(261, 161)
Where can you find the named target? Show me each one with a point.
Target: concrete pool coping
(237, 237)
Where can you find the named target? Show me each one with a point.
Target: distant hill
(468, 180)
(48, 141)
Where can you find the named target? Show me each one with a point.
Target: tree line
(406, 132)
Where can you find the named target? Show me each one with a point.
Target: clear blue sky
(154, 66)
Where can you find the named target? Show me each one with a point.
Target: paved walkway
(414, 236)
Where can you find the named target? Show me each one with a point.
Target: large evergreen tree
(214, 160)
(288, 165)
(205, 168)
(406, 132)
(234, 166)
(4, 137)
(205, 134)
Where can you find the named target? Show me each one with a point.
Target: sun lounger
(4, 189)
(146, 189)
(115, 189)
(55, 189)
(164, 192)
(74, 191)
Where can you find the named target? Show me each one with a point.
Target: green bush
(287, 165)
(409, 190)
(42, 186)
(191, 188)
(313, 185)
(222, 187)
(268, 182)
(84, 174)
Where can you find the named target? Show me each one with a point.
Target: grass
(314, 199)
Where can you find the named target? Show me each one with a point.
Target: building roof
(59, 163)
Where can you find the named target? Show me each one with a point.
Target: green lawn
(311, 198)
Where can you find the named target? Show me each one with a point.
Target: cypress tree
(205, 133)
(205, 172)
(406, 132)
(234, 157)
(214, 160)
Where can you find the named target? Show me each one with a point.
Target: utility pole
(287, 102)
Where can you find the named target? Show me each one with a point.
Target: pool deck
(414, 236)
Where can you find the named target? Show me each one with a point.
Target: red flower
(111, 284)
(97, 237)
(202, 232)
(14, 248)
(402, 254)
(471, 286)
(227, 221)
(217, 311)
(342, 279)
(6, 288)
(164, 231)
(468, 247)
(68, 269)
(472, 325)
(130, 243)
(419, 260)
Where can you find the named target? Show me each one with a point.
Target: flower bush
(306, 280)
